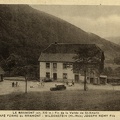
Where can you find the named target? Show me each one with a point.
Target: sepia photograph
(60, 58)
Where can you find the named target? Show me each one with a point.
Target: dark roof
(58, 57)
(64, 52)
(67, 47)
(1, 71)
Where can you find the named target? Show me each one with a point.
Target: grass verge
(95, 100)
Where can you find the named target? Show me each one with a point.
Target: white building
(56, 61)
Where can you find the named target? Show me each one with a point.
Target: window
(54, 65)
(47, 65)
(47, 75)
(64, 66)
(64, 75)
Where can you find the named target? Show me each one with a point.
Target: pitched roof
(67, 47)
(63, 52)
(1, 71)
(58, 57)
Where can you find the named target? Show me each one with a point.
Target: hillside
(115, 39)
(25, 32)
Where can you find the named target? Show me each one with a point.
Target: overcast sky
(101, 20)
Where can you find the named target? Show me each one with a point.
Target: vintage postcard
(60, 60)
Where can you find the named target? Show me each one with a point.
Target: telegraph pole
(26, 80)
(25, 85)
(85, 87)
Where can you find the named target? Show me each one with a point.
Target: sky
(102, 20)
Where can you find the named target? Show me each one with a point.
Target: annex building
(58, 62)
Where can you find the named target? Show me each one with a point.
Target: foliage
(25, 32)
(87, 57)
(13, 61)
(117, 60)
(31, 72)
(15, 65)
(117, 72)
(108, 71)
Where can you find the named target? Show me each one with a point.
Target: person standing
(72, 82)
(16, 84)
(13, 84)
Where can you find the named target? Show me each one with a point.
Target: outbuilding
(103, 79)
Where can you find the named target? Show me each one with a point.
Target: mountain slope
(114, 39)
(25, 31)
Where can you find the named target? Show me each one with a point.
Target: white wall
(42, 69)
(59, 71)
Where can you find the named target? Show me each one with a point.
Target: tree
(14, 61)
(88, 57)
(108, 71)
(117, 60)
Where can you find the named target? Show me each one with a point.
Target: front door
(76, 78)
(54, 76)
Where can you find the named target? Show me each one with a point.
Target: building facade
(56, 70)
(57, 62)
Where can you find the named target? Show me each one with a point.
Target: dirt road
(6, 87)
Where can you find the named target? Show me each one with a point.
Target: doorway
(76, 78)
(54, 76)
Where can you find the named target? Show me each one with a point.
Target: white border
(63, 2)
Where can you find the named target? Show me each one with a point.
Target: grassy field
(62, 100)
